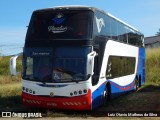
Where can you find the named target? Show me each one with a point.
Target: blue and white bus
(78, 57)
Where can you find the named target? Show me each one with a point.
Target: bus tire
(136, 84)
(107, 93)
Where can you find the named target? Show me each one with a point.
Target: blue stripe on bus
(116, 90)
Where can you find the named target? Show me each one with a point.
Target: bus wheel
(136, 84)
(107, 94)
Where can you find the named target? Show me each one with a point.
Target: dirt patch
(145, 99)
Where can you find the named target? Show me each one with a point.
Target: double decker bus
(79, 58)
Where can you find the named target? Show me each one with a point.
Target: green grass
(10, 96)
(13, 89)
(4, 65)
(10, 86)
(5, 77)
(153, 66)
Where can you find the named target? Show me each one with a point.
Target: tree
(158, 33)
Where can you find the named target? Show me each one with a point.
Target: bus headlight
(30, 91)
(85, 91)
(23, 88)
(71, 93)
(26, 89)
(75, 92)
(80, 91)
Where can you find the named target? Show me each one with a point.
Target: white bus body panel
(59, 89)
(117, 49)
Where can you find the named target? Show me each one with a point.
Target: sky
(15, 14)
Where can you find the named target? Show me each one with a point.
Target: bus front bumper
(73, 103)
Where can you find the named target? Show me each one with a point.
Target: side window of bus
(140, 41)
(119, 66)
(100, 24)
(134, 38)
(114, 29)
(122, 33)
(29, 66)
(95, 77)
(118, 31)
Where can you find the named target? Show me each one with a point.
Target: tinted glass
(55, 65)
(122, 33)
(60, 25)
(114, 29)
(120, 66)
(100, 24)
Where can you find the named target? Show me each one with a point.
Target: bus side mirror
(13, 63)
(90, 62)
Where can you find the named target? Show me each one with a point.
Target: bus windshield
(54, 25)
(56, 67)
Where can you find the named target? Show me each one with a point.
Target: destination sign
(41, 54)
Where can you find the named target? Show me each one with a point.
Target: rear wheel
(136, 84)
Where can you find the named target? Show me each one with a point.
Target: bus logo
(51, 94)
(100, 24)
(58, 19)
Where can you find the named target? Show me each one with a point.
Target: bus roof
(82, 7)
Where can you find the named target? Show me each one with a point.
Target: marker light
(26, 89)
(75, 92)
(71, 93)
(85, 91)
(23, 88)
(30, 90)
(80, 91)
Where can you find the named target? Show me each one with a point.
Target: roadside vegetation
(5, 77)
(10, 86)
(153, 66)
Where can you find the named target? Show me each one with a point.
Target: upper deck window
(60, 25)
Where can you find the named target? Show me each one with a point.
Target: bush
(4, 65)
(153, 66)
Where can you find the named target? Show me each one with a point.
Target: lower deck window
(119, 66)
